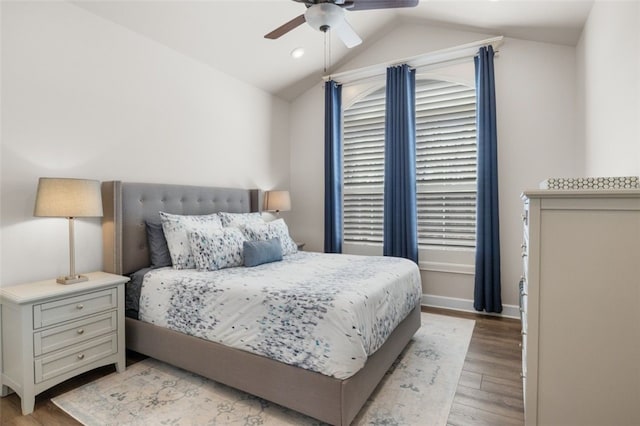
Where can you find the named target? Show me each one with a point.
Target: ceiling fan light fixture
(323, 16)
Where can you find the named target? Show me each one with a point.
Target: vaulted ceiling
(228, 35)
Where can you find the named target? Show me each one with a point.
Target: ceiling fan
(323, 15)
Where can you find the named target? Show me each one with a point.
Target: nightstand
(52, 332)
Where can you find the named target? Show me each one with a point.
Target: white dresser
(580, 304)
(52, 332)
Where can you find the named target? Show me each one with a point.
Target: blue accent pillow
(259, 252)
(158, 249)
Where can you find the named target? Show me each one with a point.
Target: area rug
(418, 390)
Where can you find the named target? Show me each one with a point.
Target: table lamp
(70, 198)
(277, 201)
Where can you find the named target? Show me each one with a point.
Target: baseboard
(466, 305)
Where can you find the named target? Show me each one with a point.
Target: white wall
(83, 97)
(535, 92)
(608, 57)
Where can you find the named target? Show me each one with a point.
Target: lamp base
(72, 279)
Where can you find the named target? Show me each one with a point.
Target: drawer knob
(79, 306)
(81, 356)
(80, 331)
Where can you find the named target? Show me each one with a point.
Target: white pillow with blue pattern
(176, 230)
(217, 249)
(268, 230)
(240, 220)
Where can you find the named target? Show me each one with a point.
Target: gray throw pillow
(158, 249)
(259, 252)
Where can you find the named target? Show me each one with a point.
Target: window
(445, 166)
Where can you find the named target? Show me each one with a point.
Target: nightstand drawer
(71, 308)
(75, 332)
(75, 357)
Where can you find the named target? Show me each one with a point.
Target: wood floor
(489, 391)
(490, 388)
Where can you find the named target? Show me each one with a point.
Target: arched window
(445, 166)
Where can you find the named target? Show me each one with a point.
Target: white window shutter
(445, 165)
(363, 163)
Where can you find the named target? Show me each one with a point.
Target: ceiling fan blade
(285, 28)
(380, 4)
(346, 33)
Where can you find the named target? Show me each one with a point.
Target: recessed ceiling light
(297, 52)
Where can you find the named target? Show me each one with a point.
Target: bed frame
(126, 208)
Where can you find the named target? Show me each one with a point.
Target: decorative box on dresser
(580, 305)
(52, 332)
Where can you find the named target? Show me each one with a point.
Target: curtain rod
(431, 58)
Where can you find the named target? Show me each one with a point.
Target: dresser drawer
(74, 357)
(71, 308)
(71, 333)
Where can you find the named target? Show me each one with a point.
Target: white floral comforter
(321, 312)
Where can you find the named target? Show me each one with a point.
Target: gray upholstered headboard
(127, 206)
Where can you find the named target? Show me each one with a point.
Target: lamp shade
(64, 197)
(278, 201)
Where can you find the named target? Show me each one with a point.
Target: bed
(127, 207)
